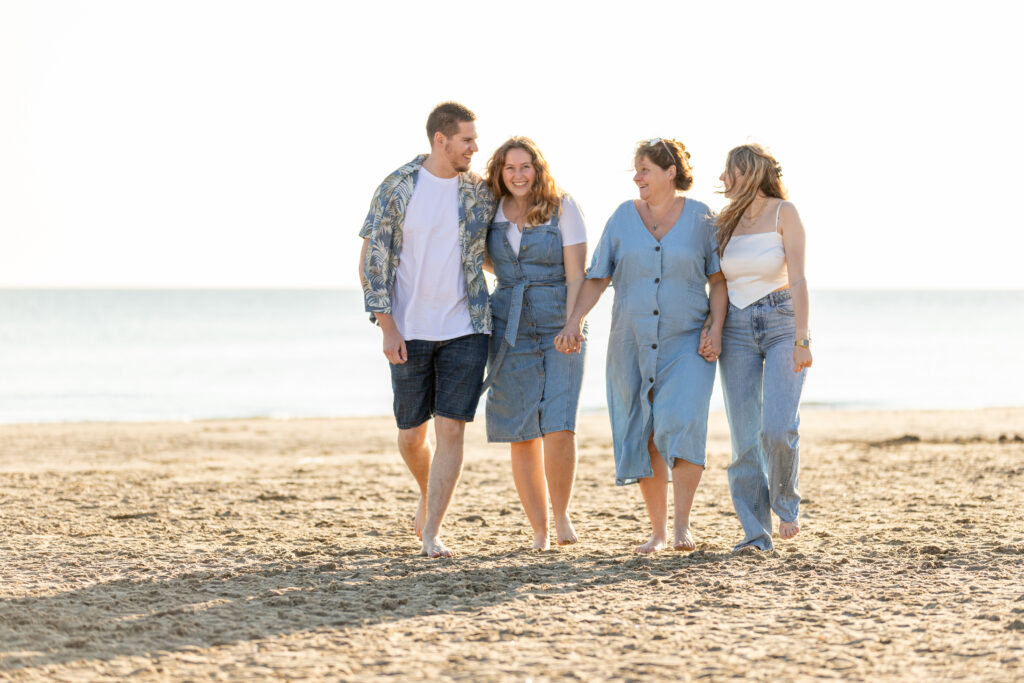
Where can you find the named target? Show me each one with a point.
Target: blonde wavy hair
(545, 199)
(761, 174)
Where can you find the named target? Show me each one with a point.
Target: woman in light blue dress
(536, 246)
(658, 252)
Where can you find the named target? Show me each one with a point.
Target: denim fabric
(536, 388)
(660, 306)
(439, 378)
(762, 402)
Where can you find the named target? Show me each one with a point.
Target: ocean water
(76, 355)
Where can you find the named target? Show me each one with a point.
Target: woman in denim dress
(536, 246)
(659, 254)
(764, 343)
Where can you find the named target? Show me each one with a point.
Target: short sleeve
(602, 264)
(372, 215)
(367, 228)
(712, 263)
(571, 223)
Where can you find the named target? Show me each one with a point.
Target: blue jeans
(762, 402)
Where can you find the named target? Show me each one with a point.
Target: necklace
(664, 215)
(750, 216)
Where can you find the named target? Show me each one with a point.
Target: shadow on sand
(363, 587)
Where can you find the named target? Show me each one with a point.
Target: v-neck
(640, 218)
(504, 235)
(501, 208)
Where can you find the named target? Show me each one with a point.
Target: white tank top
(755, 265)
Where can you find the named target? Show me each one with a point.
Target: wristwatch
(805, 343)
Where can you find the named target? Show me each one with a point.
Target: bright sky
(237, 143)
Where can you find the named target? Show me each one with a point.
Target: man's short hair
(446, 118)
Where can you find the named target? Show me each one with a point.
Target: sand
(261, 548)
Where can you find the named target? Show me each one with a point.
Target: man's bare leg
(528, 475)
(560, 468)
(415, 448)
(445, 470)
(655, 492)
(685, 478)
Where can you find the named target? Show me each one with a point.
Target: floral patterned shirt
(383, 227)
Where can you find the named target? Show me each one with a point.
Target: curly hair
(667, 153)
(545, 198)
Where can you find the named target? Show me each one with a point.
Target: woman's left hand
(801, 358)
(571, 338)
(710, 347)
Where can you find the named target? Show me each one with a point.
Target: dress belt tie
(515, 311)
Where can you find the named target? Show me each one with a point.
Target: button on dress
(536, 388)
(660, 306)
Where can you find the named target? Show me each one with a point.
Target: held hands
(710, 347)
(570, 339)
(801, 358)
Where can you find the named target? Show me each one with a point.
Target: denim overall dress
(534, 387)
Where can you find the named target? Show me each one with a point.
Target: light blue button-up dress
(660, 306)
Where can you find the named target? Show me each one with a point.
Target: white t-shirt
(429, 298)
(570, 224)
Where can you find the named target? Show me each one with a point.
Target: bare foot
(652, 546)
(435, 548)
(565, 532)
(540, 541)
(788, 530)
(684, 540)
(421, 518)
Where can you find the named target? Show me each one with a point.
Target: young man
(421, 268)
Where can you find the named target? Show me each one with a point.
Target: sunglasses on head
(654, 141)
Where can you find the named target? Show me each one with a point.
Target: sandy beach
(262, 548)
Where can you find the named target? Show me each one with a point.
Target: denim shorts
(439, 378)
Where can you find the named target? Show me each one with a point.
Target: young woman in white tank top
(763, 342)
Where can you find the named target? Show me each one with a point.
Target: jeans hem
(635, 479)
(752, 544)
(453, 416)
(671, 464)
(413, 425)
(513, 439)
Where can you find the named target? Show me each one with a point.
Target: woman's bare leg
(560, 469)
(655, 492)
(528, 475)
(685, 478)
